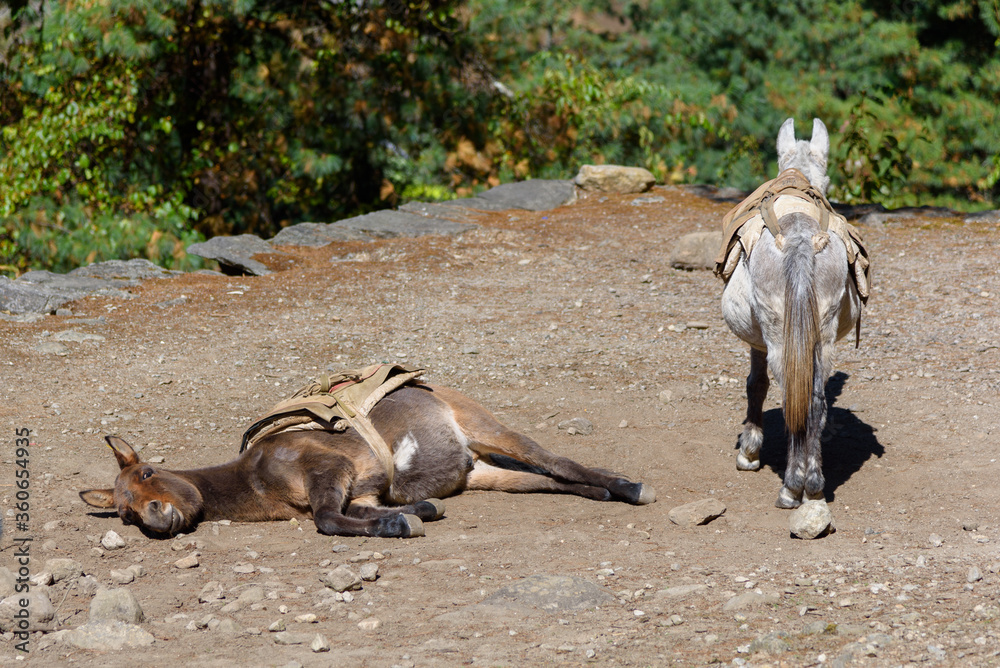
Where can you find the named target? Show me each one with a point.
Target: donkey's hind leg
(516, 453)
(487, 477)
(804, 474)
(752, 438)
(487, 437)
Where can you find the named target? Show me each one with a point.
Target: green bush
(133, 127)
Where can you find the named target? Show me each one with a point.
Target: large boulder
(534, 195)
(390, 224)
(696, 251)
(614, 179)
(235, 255)
(116, 605)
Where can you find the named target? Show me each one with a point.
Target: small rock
(811, 520)
(772, 643)
(974, 575)
(937, 653)
(227, 625)
(88, 584)
(112, 541)
(122, 576)
(640, 201)
(52, 348)
(681, 591)
(696, 324)
(277, 626)
(935, 540)
(697, 512)
(211, 592)
(116, 604)
(54, 525)
(970, 525)
(41, 612)
(190, 561)
(246, 598)
(341, 579)
(138, 569)
(369, 572)
(370, 624)
(43, 579)
(578, 425)
(308, 618)
(748, 600)
(319, 644)
(290, 638)
(76, 336)
(244, 569)
(107, 635)
(63, 569)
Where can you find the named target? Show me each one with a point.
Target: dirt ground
(542, 317)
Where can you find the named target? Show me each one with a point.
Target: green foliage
(572, 113)
(132, 127)
(61, 237)
(200, 118)
(877, 162)
(935, 64)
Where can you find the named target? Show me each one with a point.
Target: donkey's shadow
(847, 441)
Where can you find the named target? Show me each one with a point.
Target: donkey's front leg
(327, 496)
(752, 438)
(369, 506)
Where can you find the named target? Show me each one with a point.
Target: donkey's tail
(801, 324)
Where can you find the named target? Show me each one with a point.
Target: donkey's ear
(786, 137)
(99, 498)
(123, 451)
(820, 142)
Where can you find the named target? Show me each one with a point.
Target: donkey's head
(152, 498)
(809, 157)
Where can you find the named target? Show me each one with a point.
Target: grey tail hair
(801, 331)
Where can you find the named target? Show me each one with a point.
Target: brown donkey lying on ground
(442, 443)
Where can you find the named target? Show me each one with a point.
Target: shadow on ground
(848, 441)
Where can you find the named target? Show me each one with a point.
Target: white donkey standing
(791, 299)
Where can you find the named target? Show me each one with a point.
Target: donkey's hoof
(415, 526)
(647, 495)
(745, 464)
(438, 507)
(787, 500)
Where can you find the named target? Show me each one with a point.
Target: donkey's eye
(147, 473)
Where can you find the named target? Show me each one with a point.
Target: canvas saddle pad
(336, 402)
(790, 192)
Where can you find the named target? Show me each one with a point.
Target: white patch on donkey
(404, 452)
